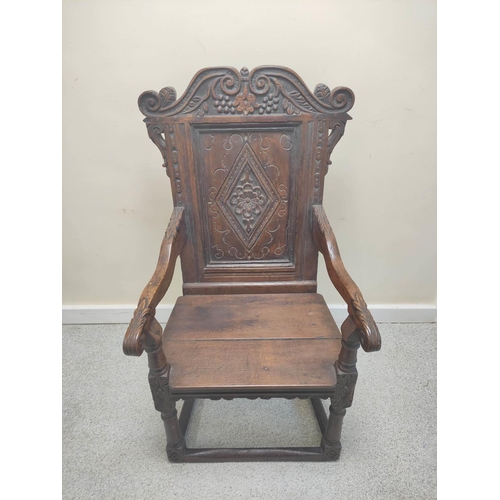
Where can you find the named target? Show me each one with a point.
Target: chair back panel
(245, 180)
(246, 153)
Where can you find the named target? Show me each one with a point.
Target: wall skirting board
(383, 313)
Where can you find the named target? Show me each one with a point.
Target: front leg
(340, 400)
(176, 446)
(347, 376)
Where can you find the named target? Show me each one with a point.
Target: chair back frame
(247, 153)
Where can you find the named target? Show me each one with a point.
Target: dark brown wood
(133, 343)
(276, 342)
(247, 317)
(187, 409)
(359, 315)
(320, 413)
(247, 153)
(176, 446)
(331, 437)
(289, 454)
(250, 287)
(252, 365)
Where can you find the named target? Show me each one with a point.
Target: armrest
(359, 314)
(133, 343)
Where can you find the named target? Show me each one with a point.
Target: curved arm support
(360, 319)
(143, 320)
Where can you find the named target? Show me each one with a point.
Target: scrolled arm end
(135, 337)
(365, 324)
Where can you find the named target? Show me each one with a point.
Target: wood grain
(262, 316)
(361, 317)
(135, 337)
(252, 365)
(247, 153)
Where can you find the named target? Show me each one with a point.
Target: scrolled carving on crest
(157, 102)
(196, 94)
(342, 99)
(264, 90)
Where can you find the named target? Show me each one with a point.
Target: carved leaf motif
(290, 108)
(193, 102)
(300, 99)
(202, 110)
(267, 84)
(322, 92)
(167, 96)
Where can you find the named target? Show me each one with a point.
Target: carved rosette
(264, 90)
(247, 197)
(161, 395)
(344, 390)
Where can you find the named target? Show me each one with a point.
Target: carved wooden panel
(265, 90)
(247, 153)
(246, 186)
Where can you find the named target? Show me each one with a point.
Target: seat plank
(252, 364)
(265, 316)
(251, 342)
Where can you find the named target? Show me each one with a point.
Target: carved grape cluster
(269, 104)
(224, 104)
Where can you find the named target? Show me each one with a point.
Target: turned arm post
(359, 327)
(144, 331)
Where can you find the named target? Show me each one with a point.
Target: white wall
(379, 193)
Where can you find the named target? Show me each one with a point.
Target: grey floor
(114, 442)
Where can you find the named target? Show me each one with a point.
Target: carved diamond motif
(248, 197)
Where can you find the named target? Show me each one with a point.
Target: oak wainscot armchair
(246, 153)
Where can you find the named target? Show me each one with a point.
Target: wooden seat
(277, 343)
(246, 153)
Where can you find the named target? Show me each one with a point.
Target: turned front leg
(176, 446)
(331, 438)
(344, 390)
(158, 381)
(164, 403)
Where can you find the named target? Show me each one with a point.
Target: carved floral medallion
(247, 198)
